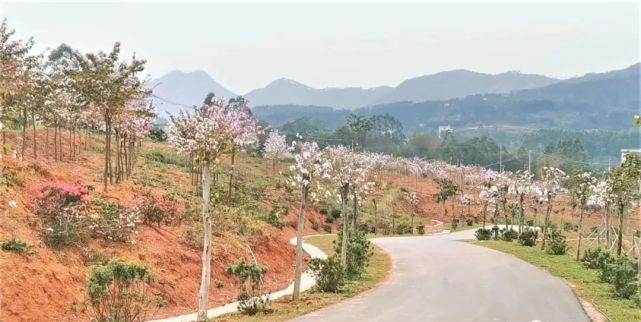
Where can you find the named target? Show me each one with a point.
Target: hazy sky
(245, 46)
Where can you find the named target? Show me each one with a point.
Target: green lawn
(285, 309)
(585, 281)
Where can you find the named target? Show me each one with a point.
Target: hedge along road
(436, 278)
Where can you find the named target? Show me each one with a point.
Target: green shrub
(329, 219)
(67, 228)
(315, 225)
(597, 259)
(336, 213)
(568, 226)
(273, 218)
(158, 134)
(18, 246)
(359, 252)
(323, 211)
(483, 234)
(118, 291)
(469, 221)
(622, 273)
(165, 157)
(113, 222)
(250, 298)
(193, 236)
(329, 273)
(327, 227)
(496, 232)
(455, 222)
(528, 237)
(530, 223)
(557, 245)
(509, 234)
(636, 298)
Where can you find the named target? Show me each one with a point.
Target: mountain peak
(178, 89)
(286, 82)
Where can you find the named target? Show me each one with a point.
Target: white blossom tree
(275, 148)
(520, 185)
(552, 180)
(203, 134)
(243, 133)
(309, 167)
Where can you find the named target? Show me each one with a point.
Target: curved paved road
(436, 278)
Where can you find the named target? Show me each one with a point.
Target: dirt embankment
(50, 285)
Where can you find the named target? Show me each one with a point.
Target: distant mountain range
(177, 88)
(594, 101)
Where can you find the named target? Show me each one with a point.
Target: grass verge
(285, 309)
(585, 281)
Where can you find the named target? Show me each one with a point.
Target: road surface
(436, 278)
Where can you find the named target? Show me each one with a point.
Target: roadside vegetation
(284, 309)
(586, 282)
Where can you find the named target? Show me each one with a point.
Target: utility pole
(529, 162)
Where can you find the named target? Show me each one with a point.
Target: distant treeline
(567, 149)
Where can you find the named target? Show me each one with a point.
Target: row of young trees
(64, 90)
(341, 173)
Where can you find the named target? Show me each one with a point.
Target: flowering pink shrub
(51, 197)
(63, 210)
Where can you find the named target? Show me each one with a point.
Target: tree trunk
(355, 214)
(33, 124)
(299, 247)
(607, 227)
(205, 278)
(231, 171)
(107, 171)
(546, 223)
(620, 236)
(345, 230)
(47, 142)
(521, 210)
(376, 223)
(578, 246)
(24, 131)
(55, 142)
(412, 221)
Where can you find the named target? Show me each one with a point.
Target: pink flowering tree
(520, 186)
(275, 148)
(310, 166)
(489, 197)
(343, 175)
(203, 134)
(552, 180)
(601, 200)
(244, 131)
(131, 125)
